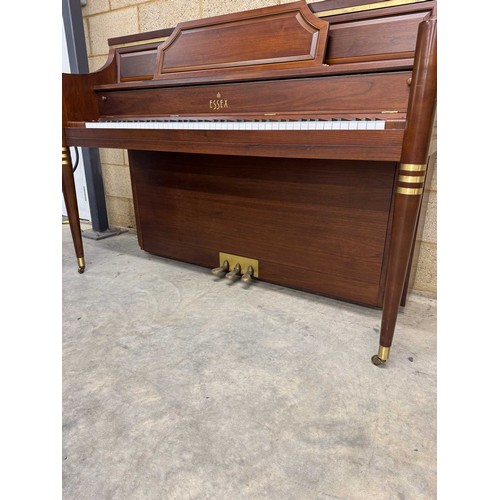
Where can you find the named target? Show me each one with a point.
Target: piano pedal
(235, 273)
(247, 277)
(232, 266)
(219, 271)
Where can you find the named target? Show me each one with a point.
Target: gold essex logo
(219, 103)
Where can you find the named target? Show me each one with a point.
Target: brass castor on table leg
(382, 356)
(377, 361)
(81, 265)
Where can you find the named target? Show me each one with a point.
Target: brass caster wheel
(377, 361)
(81, 269)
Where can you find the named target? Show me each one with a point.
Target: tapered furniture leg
(411, 179)
(406, 209)
(69, 193)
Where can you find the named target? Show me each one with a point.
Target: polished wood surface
(69, 193)
(314, 225)
(273, 37)
(422, 104)
(333, 212)
(345, 145)
(320, 96)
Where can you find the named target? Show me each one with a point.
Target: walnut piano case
(290, 142)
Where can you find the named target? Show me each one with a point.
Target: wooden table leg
(69, 193)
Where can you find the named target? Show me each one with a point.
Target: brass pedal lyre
(219, 271)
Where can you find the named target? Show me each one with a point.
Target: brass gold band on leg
(383, 353)
(413, 167)
(412, 176)
(382, 356)
(66, 158)
(409, 191)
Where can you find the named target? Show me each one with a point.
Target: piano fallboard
(353, 94)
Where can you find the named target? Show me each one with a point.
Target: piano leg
(69, 193)
(406, 210)
(411, 180)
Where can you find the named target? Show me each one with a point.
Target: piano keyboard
(333, 124)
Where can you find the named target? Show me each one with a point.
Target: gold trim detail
(411, 179)
(66, 157)
(244, 262)
(368, 6)
(81, 261)
(383, 353)
(410, 191)
(413, 167)
(139, 42)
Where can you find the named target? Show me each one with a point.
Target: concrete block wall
(105, 19)
(423, 275)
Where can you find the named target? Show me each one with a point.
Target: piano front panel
(136, 63)
(382, 38)
(283, 35)
(351, 94)
(383, 145)
(314, 225)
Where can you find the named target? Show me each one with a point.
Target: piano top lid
(331, 8)
(278, 37)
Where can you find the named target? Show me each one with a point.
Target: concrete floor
(177, 385)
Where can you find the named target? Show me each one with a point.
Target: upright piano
(288, 144)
